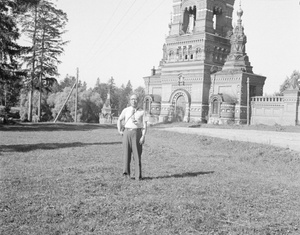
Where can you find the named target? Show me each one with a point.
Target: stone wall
(108, 120)
(282, 110)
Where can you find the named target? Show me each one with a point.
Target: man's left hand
(142, 140)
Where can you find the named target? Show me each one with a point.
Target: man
(133, 136)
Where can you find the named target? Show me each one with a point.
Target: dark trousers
(132, 146)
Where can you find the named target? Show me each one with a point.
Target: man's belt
(132, 129)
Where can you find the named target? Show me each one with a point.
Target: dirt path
(279, 139)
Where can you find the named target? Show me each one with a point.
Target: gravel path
(280, 139)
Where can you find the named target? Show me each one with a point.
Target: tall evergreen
(10, 73)
(124, 96)
(44, 24)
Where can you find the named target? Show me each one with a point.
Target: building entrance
(180, 107)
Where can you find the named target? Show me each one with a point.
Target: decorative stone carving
(198, 53)
(165, 56)
(295, 81)
(217, 10)
(179, 53)
(238, 59)
(292, 83)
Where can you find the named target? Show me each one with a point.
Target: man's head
(133, 100)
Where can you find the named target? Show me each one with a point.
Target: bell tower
(198, 43)
(212, 16)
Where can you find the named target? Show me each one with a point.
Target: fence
(271, 110)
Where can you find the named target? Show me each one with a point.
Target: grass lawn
(66, 179)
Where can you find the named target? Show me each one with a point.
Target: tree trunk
(30, 94)
(5, 95)
(40, 99)
(41, 77)
(33, 66)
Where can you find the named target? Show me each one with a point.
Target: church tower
(197, 45)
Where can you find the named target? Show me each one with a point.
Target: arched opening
(185, 53)
(198, 53)
(189, 19)
(180, 102)
(217, 18)
(180, 106)
(215, 21)
(215, 106)
(190, 52)
(147, 105)
(171, 56)
(179, 52)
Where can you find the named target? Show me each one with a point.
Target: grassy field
(66, 179)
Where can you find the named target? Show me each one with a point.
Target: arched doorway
(180, 101)
(180, 106)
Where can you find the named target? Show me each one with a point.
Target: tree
(10, 72)
(140, 92)
(56, 101)
(44, 24)
(124, 96)
(101, 89)
(89, 106)
(10, 92)
(68, 81)
(114, 95)
(97, 82)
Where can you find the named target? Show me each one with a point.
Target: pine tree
(97, 82)
(44, 24)
(10, 72)
(125, 93)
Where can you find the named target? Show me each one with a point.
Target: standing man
(133, 136)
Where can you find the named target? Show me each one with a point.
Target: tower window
(189, 19)
(217, 12)
(215, 21)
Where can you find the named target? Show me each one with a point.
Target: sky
(123, 39)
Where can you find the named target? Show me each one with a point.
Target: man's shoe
(126, 176)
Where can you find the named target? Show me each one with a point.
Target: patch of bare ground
(68, 181)
(261, 127)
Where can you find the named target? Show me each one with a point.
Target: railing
(115, 120)
(267, 99)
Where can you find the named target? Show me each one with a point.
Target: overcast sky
(124, 38)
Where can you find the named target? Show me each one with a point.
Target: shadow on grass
(48, 146)
(182, 175)
(23, 127)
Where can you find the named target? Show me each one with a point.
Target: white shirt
(133, 118)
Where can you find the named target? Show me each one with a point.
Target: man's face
(133, 101)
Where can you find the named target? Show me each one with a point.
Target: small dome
(240, 12)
